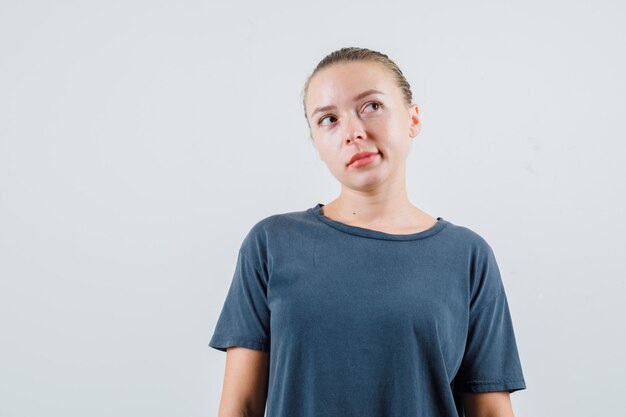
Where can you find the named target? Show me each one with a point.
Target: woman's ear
(416, 125)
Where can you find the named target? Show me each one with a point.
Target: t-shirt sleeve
(245, 316)
(491, 361)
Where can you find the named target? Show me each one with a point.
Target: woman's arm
(488, 404)
(245, 383)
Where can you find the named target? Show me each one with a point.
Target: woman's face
(346, 117)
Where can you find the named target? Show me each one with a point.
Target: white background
(140, 141)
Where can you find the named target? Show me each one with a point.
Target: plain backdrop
(141, 140)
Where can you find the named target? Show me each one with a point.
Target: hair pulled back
(351, 54)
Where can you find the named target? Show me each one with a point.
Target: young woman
(367, 305)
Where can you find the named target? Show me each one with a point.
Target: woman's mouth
(362, 161)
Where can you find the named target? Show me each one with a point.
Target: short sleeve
(491, 361)
(245, 316)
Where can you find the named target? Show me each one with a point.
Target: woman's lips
(363, 161)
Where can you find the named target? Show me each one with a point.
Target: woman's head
(356, 101)
(354, 54)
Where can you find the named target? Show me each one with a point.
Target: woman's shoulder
(278, 225)
(467, 236)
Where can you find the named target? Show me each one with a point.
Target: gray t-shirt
(362, 323)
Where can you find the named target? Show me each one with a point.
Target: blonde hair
(351, 54)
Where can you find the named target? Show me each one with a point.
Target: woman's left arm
(488, 404)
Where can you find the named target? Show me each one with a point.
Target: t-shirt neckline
(375, 234)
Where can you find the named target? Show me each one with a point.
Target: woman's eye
(321, 121)
(374, 103)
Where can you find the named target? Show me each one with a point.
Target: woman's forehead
(345, 80)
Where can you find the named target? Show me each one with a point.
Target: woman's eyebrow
(358, 97)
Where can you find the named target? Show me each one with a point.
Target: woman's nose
(353, 129)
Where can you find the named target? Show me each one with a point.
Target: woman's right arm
(245, 383)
